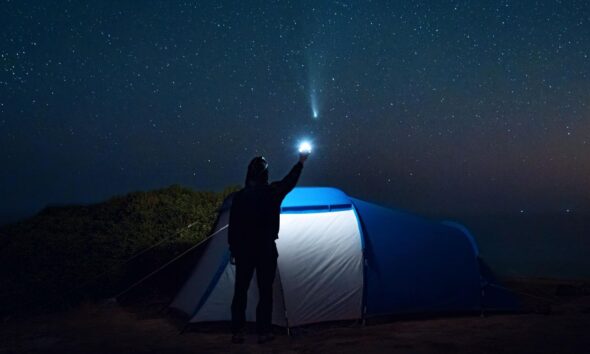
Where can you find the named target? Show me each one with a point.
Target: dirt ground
(562, 327)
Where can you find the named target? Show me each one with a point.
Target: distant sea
(9, 216)
(533, 245)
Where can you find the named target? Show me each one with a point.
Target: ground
(563, 327)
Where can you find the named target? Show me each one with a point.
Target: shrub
(68, 253)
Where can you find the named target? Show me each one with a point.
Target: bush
(69, 253)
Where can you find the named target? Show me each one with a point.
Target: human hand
(303, 156)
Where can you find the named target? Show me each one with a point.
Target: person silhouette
(253, 228)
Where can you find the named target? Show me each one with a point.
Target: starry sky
(432, 106)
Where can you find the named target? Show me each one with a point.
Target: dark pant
(265, 264)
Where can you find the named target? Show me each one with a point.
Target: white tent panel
(218, 305)
(188, 297)
(321, 266)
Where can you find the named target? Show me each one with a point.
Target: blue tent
(342, 258)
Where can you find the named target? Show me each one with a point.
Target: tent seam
(362, 238)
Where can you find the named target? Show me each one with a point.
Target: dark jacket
(255, 214)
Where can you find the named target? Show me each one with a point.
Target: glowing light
(315, 113)
(305, 147)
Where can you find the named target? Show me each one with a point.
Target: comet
(313, 101)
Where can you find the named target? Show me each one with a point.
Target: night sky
(433, 106)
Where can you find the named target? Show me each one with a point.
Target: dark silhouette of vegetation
(67, 254)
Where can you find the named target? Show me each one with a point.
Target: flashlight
(305, 148)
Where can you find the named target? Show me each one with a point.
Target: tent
(342, 258)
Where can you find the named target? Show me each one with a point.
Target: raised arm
(289, 182)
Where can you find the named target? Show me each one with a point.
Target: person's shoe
(238, 338)
(265, 338)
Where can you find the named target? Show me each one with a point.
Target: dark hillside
(69, 253)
